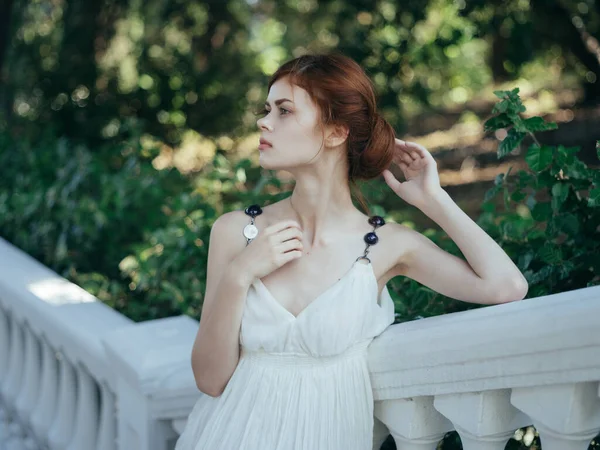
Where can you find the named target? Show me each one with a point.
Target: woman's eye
(264, 112)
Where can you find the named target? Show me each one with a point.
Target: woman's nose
(263, 124)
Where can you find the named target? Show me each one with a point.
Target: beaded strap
(250, 230)
(371, 238)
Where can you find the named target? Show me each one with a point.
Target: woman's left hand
(420, 170)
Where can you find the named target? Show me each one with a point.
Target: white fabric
(301, 382)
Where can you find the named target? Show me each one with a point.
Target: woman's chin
(266, 163)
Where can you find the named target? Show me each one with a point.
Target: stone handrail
(76, 375)
(489, 371)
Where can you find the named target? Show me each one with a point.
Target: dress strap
(371, 238)
(250, 230)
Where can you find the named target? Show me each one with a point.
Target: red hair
(345, 96)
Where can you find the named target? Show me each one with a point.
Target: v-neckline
(295, 317)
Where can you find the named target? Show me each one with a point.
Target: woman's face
(290, 126)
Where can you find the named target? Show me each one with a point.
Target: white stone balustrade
(76, 375)
(56, 384)
(487, 372)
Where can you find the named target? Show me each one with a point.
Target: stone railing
(487, 372)
(76, 375)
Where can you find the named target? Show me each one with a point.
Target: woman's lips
(264, 144)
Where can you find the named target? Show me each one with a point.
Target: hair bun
(379, 151)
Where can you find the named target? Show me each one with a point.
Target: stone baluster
(4, 346)
(14, 376)
(380, 433)
(107, 430)
(414, 423)
(484, 420)
(45, 411)
(13, 380)
(566, 416)
(62, 428)
(86, 415)
(4, 358)
(28, 394)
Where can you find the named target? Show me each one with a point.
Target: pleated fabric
(302, 382)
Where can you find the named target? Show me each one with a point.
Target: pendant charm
(250, 231)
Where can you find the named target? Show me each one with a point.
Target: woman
(289, 311)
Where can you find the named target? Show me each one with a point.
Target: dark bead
(371, 238)
(376, 221)
(253, 210)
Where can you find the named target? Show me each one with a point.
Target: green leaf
(568, 223)
(540, 275)
(560, 191)
(565, 269)
(501, 107)
(545, 179)
(541, 212)
(488, 207)
(577, 169)
(511, 103)
(565, 155)
(510, 142)
(491, 193)
(497, 122)
(506, 198)
(594, 199)
(525, 259)
(501, 94)
(539, 158)
(517, 196)
(533, 124)
(508, 229)
(550, 253)
(519, 123)
(499, 179)
(525, 179)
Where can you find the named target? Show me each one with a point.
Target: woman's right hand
(274, 246)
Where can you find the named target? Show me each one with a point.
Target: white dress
(302, 381)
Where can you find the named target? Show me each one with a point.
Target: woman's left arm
(490, 275)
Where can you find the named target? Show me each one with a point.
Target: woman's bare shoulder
(229, 226)
(402, 239)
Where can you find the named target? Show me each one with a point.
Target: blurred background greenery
(128, 127)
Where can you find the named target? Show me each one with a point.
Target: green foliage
(90, 68)
(551, 218)
(508, 112)
(78, 211)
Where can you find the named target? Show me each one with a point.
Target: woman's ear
(336, 135)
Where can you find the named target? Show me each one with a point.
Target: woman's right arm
(216, 349)
(230, 272)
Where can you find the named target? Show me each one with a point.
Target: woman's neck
(320, 206)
